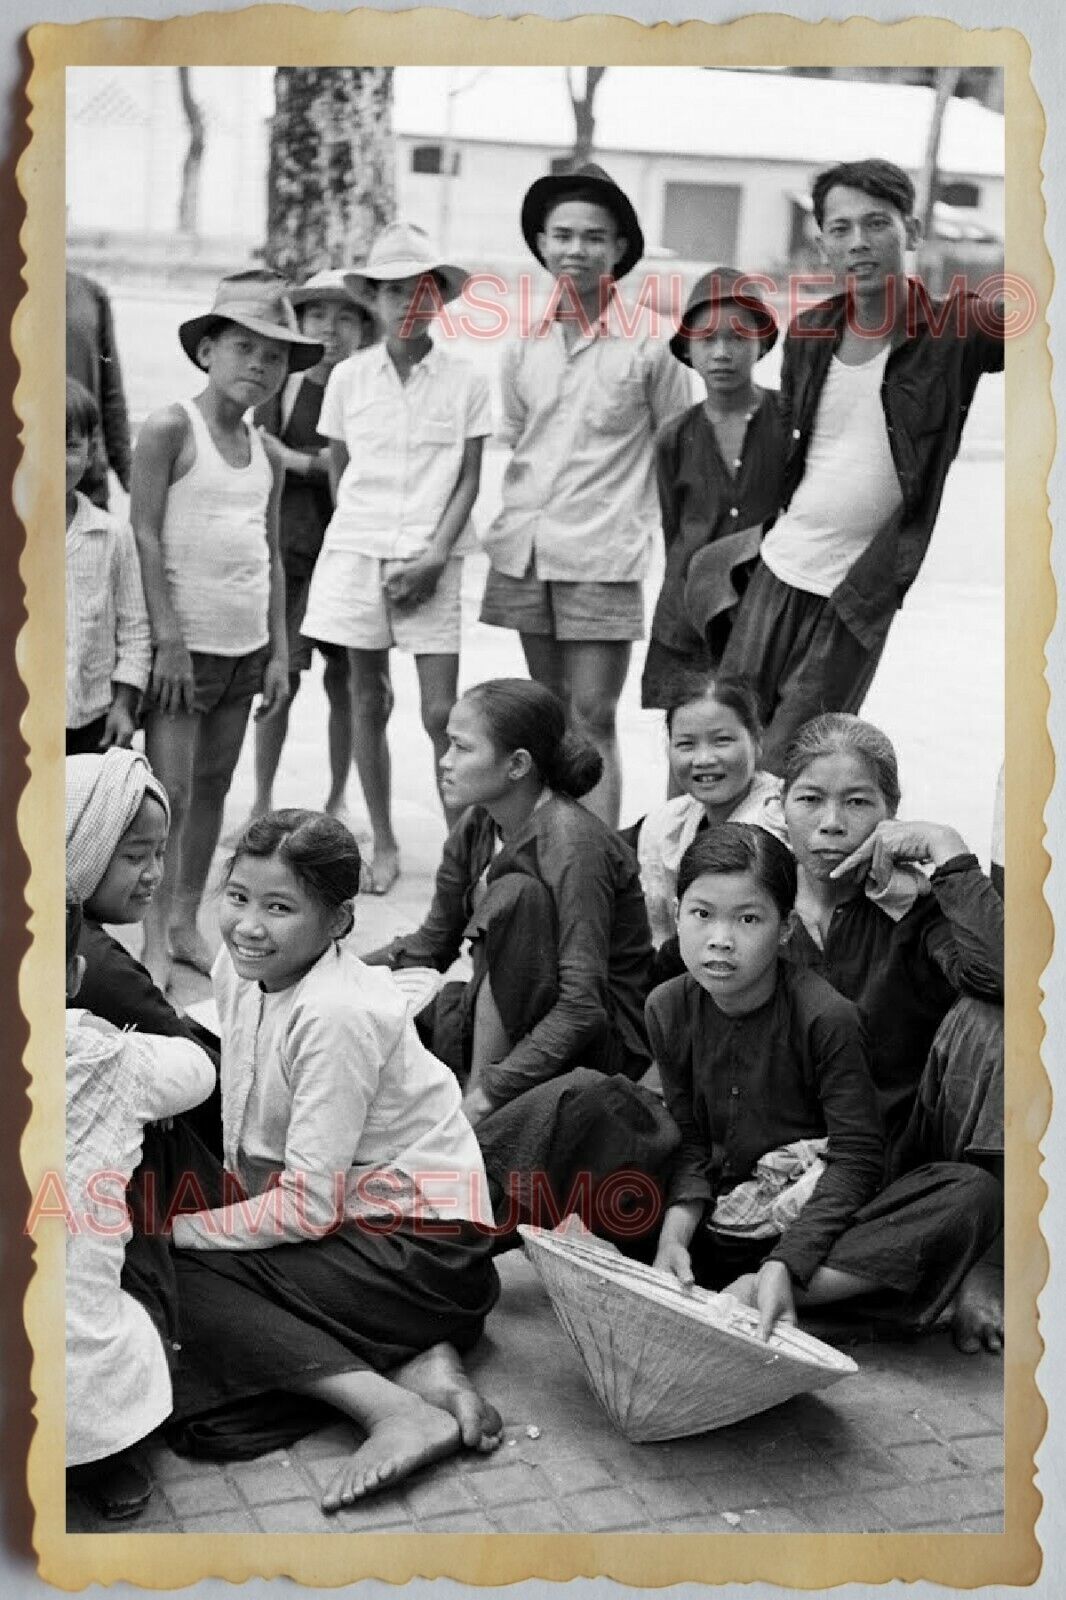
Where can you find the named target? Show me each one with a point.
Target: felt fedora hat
(259, 301)
(404, 250)
(725, 286)
(548, 191)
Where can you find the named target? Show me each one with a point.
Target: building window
(560, 166)
(958, 193)
(430, 158)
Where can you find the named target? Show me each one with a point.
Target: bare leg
(437, 1375)
(169, 744)
(372, 702)
(269, 742)
(597, 673)
(403, 1431)
(218, 747)
(438, 683)
(546, 661)
(338, 692)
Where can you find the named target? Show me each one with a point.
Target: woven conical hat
(665, 1361)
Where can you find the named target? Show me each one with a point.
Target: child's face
(473, 771)
(725, 356)
(398, 296)
(833, 805)
(712, 754)
(866, 239)
(730, 933)
(338, 328)
(581, 241)
(78, 448)
(133, 874)
(243, 366)
(273, 927)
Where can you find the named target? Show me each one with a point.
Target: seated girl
(712, 725)
(760, 1060)
(549, 898)
(350, 1234)
(117, 821)
(936, 1058)
(117, 1377)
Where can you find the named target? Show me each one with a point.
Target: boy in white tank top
(204, 507)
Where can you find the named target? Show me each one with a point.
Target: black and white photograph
(534, 799)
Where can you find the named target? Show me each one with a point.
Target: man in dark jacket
(92, 358)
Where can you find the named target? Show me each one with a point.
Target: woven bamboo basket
(665, 1361)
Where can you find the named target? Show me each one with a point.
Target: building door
(701, 220)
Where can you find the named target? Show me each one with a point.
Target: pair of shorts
(348, 606)
(221, 681)
(297, 588)
(599, 613)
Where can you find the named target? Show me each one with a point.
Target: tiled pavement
(912, 1443)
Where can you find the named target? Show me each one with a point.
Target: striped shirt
(108, 637)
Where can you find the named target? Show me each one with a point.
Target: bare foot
(156, 958)
(977, 1311)
(384, 870)
(337, 806)
(438, 1376)
(188, 945)
(406, 1439)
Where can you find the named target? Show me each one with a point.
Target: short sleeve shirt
(405, 444)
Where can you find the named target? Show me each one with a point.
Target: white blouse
(332, 1107)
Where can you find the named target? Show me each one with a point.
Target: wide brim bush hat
(330, 285)
(258, 300)
(404, 250)
(548, 191)
(725, 286)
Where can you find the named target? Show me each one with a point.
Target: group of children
(772, 998)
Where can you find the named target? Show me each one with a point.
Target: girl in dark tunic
(760, 1061)
(928, 984)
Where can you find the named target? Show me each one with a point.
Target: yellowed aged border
(264, 36)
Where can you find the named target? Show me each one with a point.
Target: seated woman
(936, 1058)
(117, 1378)
(350, 1235)
(117, 821)
(712, 727)
(760, 1061)
(551, 1022)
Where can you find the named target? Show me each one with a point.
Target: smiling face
(580, 240)
(337, 327)
(730, 932)
(725, 355)
(273, 927)
(134, 871)
(473, 770)
(712, 755)
(866, 239)
(832, 806)
(242, 366)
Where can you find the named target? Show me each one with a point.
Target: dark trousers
(800, 656)
(86, 741)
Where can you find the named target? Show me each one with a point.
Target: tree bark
(946, 82)
(189, 202)
(331, 184)
(584, 115)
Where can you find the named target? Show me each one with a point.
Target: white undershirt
(849, 490)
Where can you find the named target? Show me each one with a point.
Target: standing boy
(876, 383)
(109, 644)
(406, 421)
(582, 403)
(205, 495)
(326, 310)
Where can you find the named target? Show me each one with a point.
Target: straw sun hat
(664, 1361)
(404, 250)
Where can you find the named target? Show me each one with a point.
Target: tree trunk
(946, 81)
(189, 203)
(584, 115)
(331, 185)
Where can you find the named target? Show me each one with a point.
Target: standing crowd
(774, 1000)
